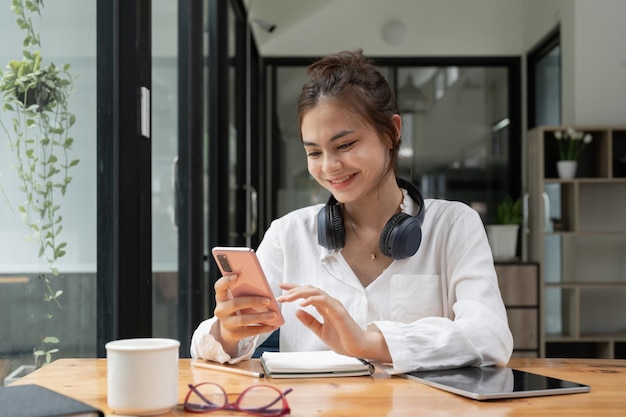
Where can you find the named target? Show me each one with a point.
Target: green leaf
(51, 339)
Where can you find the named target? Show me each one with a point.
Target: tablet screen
(491, 382)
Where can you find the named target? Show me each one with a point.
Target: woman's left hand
(339, 330)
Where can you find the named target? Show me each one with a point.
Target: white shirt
(440, 308)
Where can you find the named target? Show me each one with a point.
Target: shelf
(585, 181)
(572, 285)
(519, 287)
(583, 349)
(568, 233)
(577, 233)
(594, 338)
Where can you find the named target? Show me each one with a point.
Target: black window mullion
(124, 259)
(240, 122)
(217, 165)
(189, 184)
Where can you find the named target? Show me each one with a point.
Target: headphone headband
(400, 238)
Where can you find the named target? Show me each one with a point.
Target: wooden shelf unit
(519, 286)
(577, 234)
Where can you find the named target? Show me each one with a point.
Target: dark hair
(352, 81)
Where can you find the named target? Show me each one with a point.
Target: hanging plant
(35, 97)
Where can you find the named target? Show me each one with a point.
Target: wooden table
(379, 395)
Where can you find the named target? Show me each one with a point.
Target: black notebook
(36, 401)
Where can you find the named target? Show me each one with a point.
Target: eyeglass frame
(234, 406)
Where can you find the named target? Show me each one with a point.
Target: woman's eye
(313, 154)
(347, 145)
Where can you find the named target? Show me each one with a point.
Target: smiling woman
(345, 288)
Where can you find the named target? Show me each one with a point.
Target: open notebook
(313, 364)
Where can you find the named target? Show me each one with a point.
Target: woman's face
(344, 154)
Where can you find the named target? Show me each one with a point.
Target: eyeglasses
(259, 400)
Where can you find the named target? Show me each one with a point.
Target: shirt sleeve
(476, 331)
(204, 345)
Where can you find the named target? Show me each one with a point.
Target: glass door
(165, 227)
(178, 181)
(48, 238)
(461, 136)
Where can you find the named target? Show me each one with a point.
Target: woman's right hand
(236, 319)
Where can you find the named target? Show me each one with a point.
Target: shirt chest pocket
(413, 297)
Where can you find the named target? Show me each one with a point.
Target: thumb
(309, 321)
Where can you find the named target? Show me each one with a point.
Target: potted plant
(571, 143)
(504, 233)
(35, 99)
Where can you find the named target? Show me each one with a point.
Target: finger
(222, 286)
(248, 319)
(300, 292)
(240, 306)
(309, 321)
(241, 332)
(287, 286)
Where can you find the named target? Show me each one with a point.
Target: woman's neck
(376, 209)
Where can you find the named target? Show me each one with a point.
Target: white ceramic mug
(142, 375)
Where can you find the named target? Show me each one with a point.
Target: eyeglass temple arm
(285, 392)
(199, 394)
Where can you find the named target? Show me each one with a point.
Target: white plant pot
(503, 241)
(566, 169)
(18, 373)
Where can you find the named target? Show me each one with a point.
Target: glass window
(548, 88)
(455, 139)
(49, 314)
(164, 160)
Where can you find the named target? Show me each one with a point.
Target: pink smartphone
(252, 281)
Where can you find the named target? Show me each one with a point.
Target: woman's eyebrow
(334, 137)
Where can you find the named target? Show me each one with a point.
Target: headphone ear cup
(401, 237)
(330, 231)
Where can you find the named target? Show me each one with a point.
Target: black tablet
(492, 382)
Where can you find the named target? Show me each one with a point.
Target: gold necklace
(372, 253)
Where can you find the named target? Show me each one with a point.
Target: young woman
(376, 273)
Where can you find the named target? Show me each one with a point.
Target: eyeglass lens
(258, 399)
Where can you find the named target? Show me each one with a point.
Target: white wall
(598, 81)
(593, 56)
(434, 28)
(592, 38)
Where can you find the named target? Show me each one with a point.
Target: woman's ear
(397, 123)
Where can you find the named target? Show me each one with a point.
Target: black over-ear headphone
(400, 238)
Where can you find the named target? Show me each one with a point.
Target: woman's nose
(331, 163)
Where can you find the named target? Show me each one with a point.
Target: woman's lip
(340, 180)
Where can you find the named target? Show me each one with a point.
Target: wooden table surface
(379, 395)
